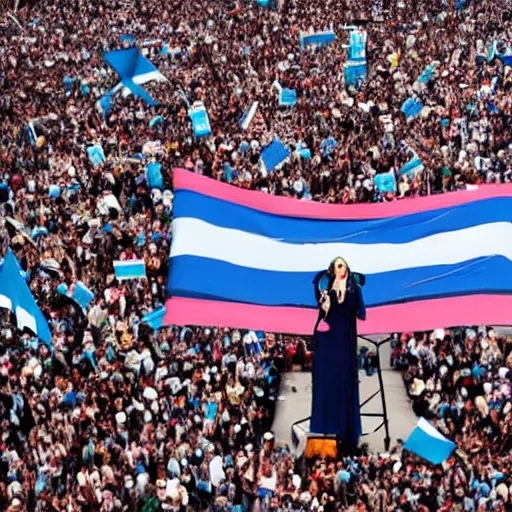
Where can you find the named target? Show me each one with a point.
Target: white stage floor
(297, 405)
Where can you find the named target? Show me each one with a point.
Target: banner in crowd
(357, 45)
(129, 269)
(355, 67)
(247, 259)
(355, 72)
(316, 38)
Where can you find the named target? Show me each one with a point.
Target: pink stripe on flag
(412, 316)
(290, 207)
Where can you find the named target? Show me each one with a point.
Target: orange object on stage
(321, 446)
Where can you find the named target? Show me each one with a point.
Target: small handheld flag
(428, 443)
(131, 269)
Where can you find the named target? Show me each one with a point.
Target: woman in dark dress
(335, 408)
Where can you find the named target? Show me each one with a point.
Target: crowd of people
(460, 380)
(115, 416)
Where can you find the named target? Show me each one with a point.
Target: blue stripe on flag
(297, 231)
(132, 269)
(212, 279)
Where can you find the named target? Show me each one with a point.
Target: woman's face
(340, 268)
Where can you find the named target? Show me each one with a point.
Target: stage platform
(297, 405)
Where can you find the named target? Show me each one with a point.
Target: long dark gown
(335, 408)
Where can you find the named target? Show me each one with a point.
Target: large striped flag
(247, 259)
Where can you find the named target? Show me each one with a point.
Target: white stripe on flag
(430, 430)
(5, 302)
(148, 77)
(196, 237)
(25, 319)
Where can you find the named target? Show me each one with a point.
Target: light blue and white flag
(135, 71)
(247, 118)
(82, 295)
(385, 182)
(288, 97)
(274, 154)
(96, 155)
(155, 319)
(130, 269)
(316, 38)
(16, 296)
(411, 108)
(200, 120)
(427, 442)
(357, 45)
(413, 166)
(355, 72)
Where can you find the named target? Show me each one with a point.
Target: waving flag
(16, 296)
(274, 154)
(411, 108)
(82, 295)
(96, 154)
(429, 443)
(247, 118)
(155, 318)
(413, 166)
(247, 259)
(385, 182)
(134, 70)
